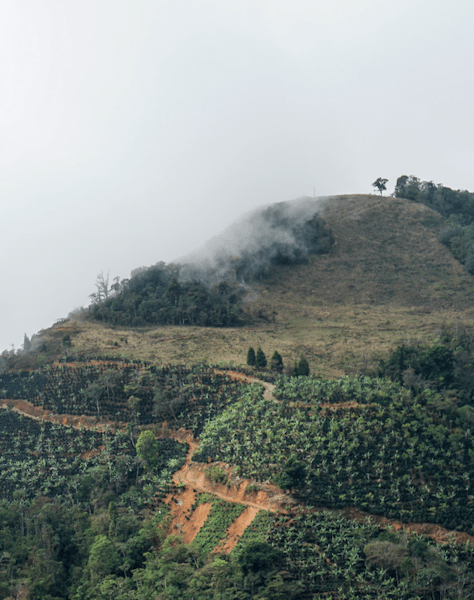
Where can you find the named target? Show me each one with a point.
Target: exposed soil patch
(268, 498)
(235, 531)
(196, 521)
(27, 409)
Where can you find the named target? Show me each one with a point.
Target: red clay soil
(23, 407)
(237, 528)
(271, 498)
(193, 478)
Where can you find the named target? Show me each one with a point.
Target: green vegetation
(216, 474)
(147, 448)
(207, 295)
(155, 297)
(139, 393)
(456, 205)
(409, 457)
(82, 513)
(260, 359)
(251, 357)
(391, 450)
(221, 516)
(276, 363)
(380, 184)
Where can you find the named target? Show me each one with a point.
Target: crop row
(42, 458)
(396, 460)
(360, 389)
(329, 553)
(124, 392)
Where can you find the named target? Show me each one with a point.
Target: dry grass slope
(387, 278)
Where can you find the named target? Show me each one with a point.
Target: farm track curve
(192, 477)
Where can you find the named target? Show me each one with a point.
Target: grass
(387, 279)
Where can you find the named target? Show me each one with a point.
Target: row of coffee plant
(362, 390)
(401, 459)
(324, 552)
(43, 458)
(124, 392)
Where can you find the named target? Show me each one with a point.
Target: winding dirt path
(192, 479)
(27, 409)
(269, 387)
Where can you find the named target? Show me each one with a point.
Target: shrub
(216, 474)
(303, 367)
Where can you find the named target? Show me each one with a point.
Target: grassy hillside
(132, 470)
(386, 279)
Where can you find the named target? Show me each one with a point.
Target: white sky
(131, 131)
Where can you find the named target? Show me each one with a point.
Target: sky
(131, 132)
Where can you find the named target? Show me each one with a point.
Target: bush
(216, 474)
(258, 557)
(303, 367)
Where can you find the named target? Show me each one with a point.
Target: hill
(385, 279)
(131, 469)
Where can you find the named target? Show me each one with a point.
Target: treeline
(456, 205)
(209, 294)
(444, 366)
(156, 297)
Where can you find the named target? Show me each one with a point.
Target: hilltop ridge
(386, 278)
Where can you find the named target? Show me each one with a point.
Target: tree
(147, 449)
(380, 184)
(276, 363)
(303, 367)
(102, 285)
(293, 475)
(259, 556)
(26, 344)
(103, 558)
(260, 359)
(251, 357)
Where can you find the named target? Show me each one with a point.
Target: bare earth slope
(387, 278)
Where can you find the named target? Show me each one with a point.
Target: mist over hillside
(282, 233)
(207, 288)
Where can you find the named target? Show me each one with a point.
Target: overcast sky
(131, 131)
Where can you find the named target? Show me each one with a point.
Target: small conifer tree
(260, 359)
(276, 363)
(251, 357)
(303, 367)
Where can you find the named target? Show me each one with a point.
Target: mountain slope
(385, 279)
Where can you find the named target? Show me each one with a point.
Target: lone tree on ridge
(380, 184)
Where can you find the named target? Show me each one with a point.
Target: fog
(284, 232)
(134, 132)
